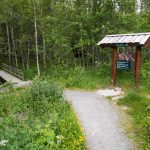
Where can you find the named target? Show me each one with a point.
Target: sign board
(123, 65)
(121, 44)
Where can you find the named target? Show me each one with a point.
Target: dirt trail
(100, 121)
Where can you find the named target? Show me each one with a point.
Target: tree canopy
(65, 32)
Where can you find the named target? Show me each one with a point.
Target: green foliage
(79, 77)
(38, 118)
(64, 29)
(30, 73)
(103, 69)
(7, 85)
(140, 112)
(45, 90)
(145, 72)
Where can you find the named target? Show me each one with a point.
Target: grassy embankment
(138, 103)
(139, 110)
(136, 99)
(38, 118)
(100, 76)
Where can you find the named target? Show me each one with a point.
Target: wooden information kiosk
(137, 40)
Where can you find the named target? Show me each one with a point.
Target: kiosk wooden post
(114, 66)
(137, 66)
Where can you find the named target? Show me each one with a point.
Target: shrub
(45, 90)
(38, 118)
(104, 69)
(145, 72)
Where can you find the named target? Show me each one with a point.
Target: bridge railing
(14, 71)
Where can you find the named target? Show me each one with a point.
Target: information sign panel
(123, 65)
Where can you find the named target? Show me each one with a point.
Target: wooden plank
(147, 44)
(137, 66)
(114, 66)
(8, 77)
(14, 71)
(144, 38)
(134, 34)
(137, 39)
(121, 39)
(127, 39)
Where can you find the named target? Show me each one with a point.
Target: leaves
(38, 118)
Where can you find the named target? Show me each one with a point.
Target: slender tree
(36, 38)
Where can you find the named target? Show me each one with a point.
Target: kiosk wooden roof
(134, 39)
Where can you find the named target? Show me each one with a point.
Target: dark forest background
(43, 33)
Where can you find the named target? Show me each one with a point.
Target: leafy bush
(45, 90)
(104, 69)
(38, 118)
(145, 72)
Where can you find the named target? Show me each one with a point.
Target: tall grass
(93, 77)
(38, 118)
(140, 112)
(78, 77)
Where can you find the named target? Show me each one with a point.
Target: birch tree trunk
(36, 42)
(8, 42)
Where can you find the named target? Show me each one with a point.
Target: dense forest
(65, 32)
(54, 43)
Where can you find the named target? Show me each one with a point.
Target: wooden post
(114, 66)
(137, 66)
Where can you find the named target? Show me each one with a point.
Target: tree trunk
(36, 42)
(43, 36)
(93, 55)
(44, 51)
(14, 47)
(28, 56)
(83, 60)
(8, 42)
(22, 56)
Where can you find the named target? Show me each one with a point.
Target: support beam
(114, 66)
(137, 66)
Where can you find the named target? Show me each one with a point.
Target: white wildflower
(3, 142)
(59, 139)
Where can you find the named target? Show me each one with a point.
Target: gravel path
(100, 121)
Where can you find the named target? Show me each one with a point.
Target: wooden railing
(14, 71)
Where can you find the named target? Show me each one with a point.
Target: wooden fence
(14, 71)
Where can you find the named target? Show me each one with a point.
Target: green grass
(79, 77)
(140, 112)
(51, 120)
(38, 118)
(99, 77)
(138, 103)
(92, 77)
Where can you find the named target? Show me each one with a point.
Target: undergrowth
(139, 105)
(92, 77)
(100, 76)
(140, 112)
(78, 77)
(38, 118)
